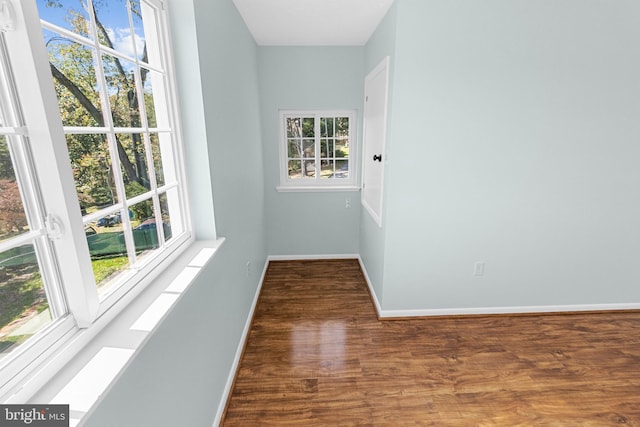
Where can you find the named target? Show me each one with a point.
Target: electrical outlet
(478, 269)
(347, 203)
(248, 268)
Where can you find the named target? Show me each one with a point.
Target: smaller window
(317, 150)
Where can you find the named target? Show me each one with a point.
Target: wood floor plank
(317, 355)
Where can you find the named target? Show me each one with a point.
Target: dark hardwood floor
(317, 355)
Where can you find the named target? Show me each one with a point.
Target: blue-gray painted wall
(308, 78)
(513, 141)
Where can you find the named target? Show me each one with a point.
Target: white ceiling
(312, 22)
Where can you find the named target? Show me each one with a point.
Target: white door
(375, 127)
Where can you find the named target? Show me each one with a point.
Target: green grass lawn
(20, 290)
(103, 268)
(21, 293)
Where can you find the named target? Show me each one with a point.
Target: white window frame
(317, 183)
(49, 155)
(160, 50)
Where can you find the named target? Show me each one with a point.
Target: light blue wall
(178, 377)
(193, 122)
(372, 237)
(515, 143)
(308, 78)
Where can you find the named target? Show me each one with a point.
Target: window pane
(153, 88)
(309, 168)
(342, 147)
(294, 129)
(91, 164)
(149, 103)
(138, 29)
(121, 91)
(324, 148)
(145, 233)
(75, 81)
(326, 126)
(294, 149)
(24, 309)
(141, 212)
(295, 169)
(158, 164)
(342, 169)
(308, 129)
(133, 164)
(68, 14)
(114, 31)
(13, 220)
(342, 126)
(107, 248)
(309, 148)
(166, 216)
(326, 169)
(171, 205)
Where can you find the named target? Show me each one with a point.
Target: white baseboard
(528, 309)
(236, 360)
(311, 257)
(372, 291)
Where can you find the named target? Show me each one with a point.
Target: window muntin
(109, 71)
(317, 149)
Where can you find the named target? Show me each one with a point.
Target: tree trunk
(129, 168)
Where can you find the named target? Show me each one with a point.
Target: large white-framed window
(111, 74)
(90, 165)
(318, 150)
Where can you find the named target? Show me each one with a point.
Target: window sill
(311, 189)
(97, 355)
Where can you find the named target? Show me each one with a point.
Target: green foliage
(92, 171)
(12, 216)
(342, 126)
(6, 166)
(76, 64)
(308, 127)
(102, 195)
(326, 126)
(134, 188)
(142, 210)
